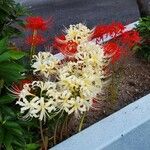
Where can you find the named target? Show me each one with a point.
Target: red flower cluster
(130, 38)
(112, 29)
(124, 42)
(59, 41)
(113, 50)
(35, 40)
(66, 48)
(36, 23)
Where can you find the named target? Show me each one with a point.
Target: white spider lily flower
(64, 100)
(45, 63)
(78, 33)
(44, 108)
(30, 106)
(90, 54)
(42, 103)
(78, 106)
(25, 91)
(71, 82)
(21, 93)
(44, 86)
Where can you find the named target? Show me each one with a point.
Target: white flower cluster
(39, 104)
(78, 33)
(90, 54)
(45, 63)
(74, 83)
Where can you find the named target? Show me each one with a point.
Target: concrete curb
(127, 129)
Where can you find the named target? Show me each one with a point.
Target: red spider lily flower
(66, 48)
(59, 41)
(99, 31)
(69, 48)
(37, 23)
(112, 29)
(113, 50)
(116, 56)
(130, 38)
(116, 28)
(17, 87)
(35, 40)
(110, 48)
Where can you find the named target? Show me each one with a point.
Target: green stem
(42, 136)
(66, 125)
(81, 122)
(56, 126)
(113, 87)
(32, 50)
(63, 127)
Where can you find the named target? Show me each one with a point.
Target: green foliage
(10, 70)
(15, 134)
(10, 21)
(32, 146)
(144, 28)
(11, 132)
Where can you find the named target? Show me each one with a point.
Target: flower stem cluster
(36, 24)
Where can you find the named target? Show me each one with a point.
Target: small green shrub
(11, 132)
(10, 22)
(144, 29)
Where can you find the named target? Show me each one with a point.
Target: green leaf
(11, 55)
(18, 143)
(6, 99)
(7, 111)
(8, 140)
(10, 30)
(11, 71)
(3, 45)
(21, 22)
(32, 146)
(10, 12)
(2, 133)
(12, 124)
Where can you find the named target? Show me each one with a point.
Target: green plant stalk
(32, 50)
(56, 127)
(66, 124)
(42, 136)
(63, 127)
(81, 122)
(46, 141)
(112, 86)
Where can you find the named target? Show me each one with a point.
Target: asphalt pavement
(91, 12)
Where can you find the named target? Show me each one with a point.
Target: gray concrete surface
(127, 129)
(91, 12)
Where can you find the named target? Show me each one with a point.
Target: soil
(134, 84)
